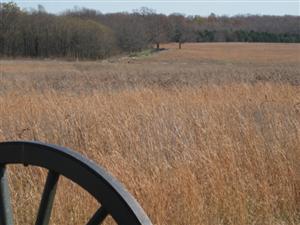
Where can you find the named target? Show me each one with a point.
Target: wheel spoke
(5, 205)
(98, 217)
(47, 199)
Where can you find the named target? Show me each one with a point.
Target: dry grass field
(239, 52)
(205, 135)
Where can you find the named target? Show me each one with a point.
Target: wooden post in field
(157, 46)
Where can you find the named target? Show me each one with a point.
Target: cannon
(113, 198)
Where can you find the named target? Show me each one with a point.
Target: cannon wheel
(115, 200)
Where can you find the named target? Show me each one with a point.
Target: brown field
(209, 134)
(238, 52)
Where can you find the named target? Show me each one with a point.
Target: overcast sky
(189, 7)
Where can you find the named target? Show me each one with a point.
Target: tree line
(86, 33)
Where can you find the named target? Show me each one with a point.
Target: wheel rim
(114, 198)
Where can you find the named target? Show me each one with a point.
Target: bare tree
(158, 26)
(179, 28)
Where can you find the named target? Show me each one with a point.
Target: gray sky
(189, 7)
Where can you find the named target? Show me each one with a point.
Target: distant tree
(179, 28)
(158, 27)
(144, 11)
(9, 14)
(82, 13)
(41, 9)
(130, 30)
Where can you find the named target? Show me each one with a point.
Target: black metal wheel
(115, 200)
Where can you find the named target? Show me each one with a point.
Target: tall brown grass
(214, 153)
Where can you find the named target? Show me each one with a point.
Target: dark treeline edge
(85, 33)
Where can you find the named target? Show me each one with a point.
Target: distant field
(238, 52)
(209, 134)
